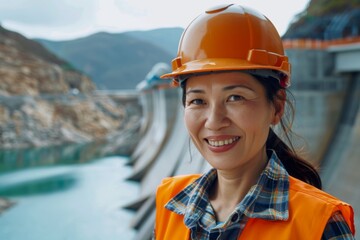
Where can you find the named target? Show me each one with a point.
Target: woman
(234, 75)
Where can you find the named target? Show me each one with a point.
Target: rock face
(45, 101)
(27, 121)
(27, 68)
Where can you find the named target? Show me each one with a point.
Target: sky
(70, 19)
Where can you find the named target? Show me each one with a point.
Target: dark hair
(294, 164)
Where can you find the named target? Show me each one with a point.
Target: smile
(220, 143)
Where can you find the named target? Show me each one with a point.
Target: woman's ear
(279, 104)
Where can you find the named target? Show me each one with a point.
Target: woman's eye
(196, 102)
(234, 98)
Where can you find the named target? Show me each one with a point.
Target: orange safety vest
(309, 212)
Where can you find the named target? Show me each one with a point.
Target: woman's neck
(231, 187)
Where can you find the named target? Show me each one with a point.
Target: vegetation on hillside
(326, 19)
(330, 7)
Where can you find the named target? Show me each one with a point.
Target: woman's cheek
(192, 119)
(247, 120)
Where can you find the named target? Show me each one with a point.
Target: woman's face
(228, 118)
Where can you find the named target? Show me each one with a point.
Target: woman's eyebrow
(195, 91)
(231, 87)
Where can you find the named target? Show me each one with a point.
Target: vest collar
(268, 199)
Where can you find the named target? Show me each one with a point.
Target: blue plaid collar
(268, 199)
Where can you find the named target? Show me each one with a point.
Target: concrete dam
(326, 86)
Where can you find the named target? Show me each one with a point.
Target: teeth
(222, 142)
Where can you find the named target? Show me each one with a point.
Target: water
(65, 194)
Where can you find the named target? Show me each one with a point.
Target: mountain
(326, 20)
(118, 60)
(166, 38)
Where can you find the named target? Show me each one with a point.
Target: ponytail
(294, 164)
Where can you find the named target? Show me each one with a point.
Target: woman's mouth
(223, 144)
(219, 143)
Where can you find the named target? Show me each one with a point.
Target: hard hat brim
(219, 64)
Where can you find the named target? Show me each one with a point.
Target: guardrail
(318, 44)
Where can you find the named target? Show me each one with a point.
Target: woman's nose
(216, 118)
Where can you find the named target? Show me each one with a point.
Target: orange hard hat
(230, 37)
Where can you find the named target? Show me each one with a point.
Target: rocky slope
(27, 121)
(27, 68)
(45, 101)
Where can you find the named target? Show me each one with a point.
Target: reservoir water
(68, 192)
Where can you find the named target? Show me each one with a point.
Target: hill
(120, 60)
(165, 38)
(326, 20)
(28, 68)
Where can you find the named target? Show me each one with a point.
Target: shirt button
(235, 217)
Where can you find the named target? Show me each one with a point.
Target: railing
(318, 44)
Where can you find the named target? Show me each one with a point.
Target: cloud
(46, 12)
(51, 19)
(67, 19)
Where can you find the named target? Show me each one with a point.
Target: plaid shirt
(268, 199)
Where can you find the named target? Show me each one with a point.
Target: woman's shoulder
(306, 190)
(307, 198)
(171, 186)
(179, 180)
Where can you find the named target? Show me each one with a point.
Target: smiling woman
(235, 76)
